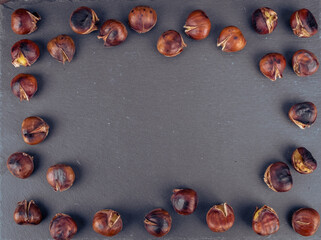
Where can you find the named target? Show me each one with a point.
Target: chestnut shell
(34, 130)
(158, 222)
(62, 48)
(231, 39)
(197, 25)
(184, 201)
(278, 177)
(170, 43)
(107, 222)
(303, 23)
(24, 53)
(62, 227)
(142, 19)
(83, 20)
(265, 221)
(27, 213)
(24, 86)
(20, 165)
(220, 218)
(303, 114)
(306, 221)
(24, 22)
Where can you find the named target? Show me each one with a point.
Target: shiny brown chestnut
(197, 25)
(60, 177)
(62, 48)
(303, 23)
(303, 161)
(24, 22)
(220, 218)
(83, 20)
(62, 227)
(170, 43)
(24, 86)
(27, 213)
(107, 222)
(113, 33)
(142, 19)
(278, 177)
(272, 65)
(265, 221)
(306, 221)
(184, 201)
(24, 53)
(231, 39)
(304, 63)
(158, 222)
(34, 130)
(20, 165)
(303, 114)
(264, 20)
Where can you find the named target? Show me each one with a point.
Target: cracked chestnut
(107, 222)
(278, 177)
(303, 23)
(60, 177)
(27, 213)
(24, 86)
(272, 65)
(83, 20)
(24, 22)
(170, 43)
(264, 20)
(34, 130)
(20, 165)
(158, 222)
(304, 63)
(184, 201)
(62, 227)
(303, 114)
(62, 48)
(231, 39)
(24, 53)
(303, 161)
(306, 221)
(197, 25)
(265, 221)
(142, 19)
(113, 33)
(220, 218)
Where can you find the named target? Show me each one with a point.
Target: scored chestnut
(303, 23)
(27, 213)
(142, 19)
(113, 33)
(231, 39)
(24, 86)
(197, 25)
(264, 20)
(272, 65)
(158, 222)
(62, 48)
(303, 161)
(278, 177)
(265, 221)
(170, 43)
(60, 177)
(62, 227)
(20, 165)
(303, 114)
(83, 20)
(23, 21)
(34, 130)
(306, 221)
(304, 63)
(107, 222)
(184, 201)
(220, 218)
(24, 53)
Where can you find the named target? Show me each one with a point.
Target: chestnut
(62, 48)
(303, 23)
(24, 22)
(306, 221)
(272, 65)
(158, 222)
(24, 86)
(304, 63)
(303, 161)
(184, 201)
(60, 177)
(20, 165)
(220, 218)
(197, 25)
(107, 222)
(27, 213)
(231, 39)
(278, 177)
(303, 114)
(264, 20)
(170, 43)
(113, 33)
(24, 53)
(83, 20)
(142, 19)
(62, 227)
(265, 221)
(34, 130)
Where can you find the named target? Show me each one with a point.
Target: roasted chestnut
(170, 43)
(113, 33)
(304, 63)
(20, 164)
(220, 218)
(264, 20)
(303, 161)
(303, 23)
(107, 222)
(197, 25)
(62, 48)
(62, 227)
(184, 201)
(24, 53)
(265, 221)
(27, 213)
(24, 22)
(303, 114)
(60, 177)
(158, 222)
(272, 65)
(24, 86)
(34, 130)
(306, 221)
(231, 39)
(142, 19)
(278, 177)
(83, 20)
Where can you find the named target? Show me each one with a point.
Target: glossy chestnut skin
(24, 86)
(264, 20)
(62, 48)
(272, 65)
(184, 201)
(83, 20)
(24, 22)
(158, 222)
(304, 63)
(220, 218)
(107, 222)
(303, 114)
(27, 213)
(278, 177)
(62, 227)
(113, 33)
(303, 161)
(20, 165)
(60, 177)
(24, 53)
(303, 23)
(34, 130)
(306, 221)
(170, 43)
(231, 39)
(265, 221)
(142, 19)
(197, 25)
